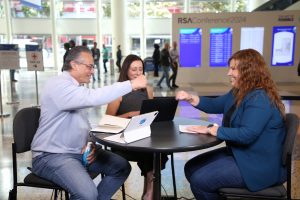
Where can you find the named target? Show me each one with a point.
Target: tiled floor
(24, 92)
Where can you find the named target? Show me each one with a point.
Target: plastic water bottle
(86, 152)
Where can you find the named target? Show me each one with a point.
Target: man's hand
(92, 155)
(139, 82)
(192, 99)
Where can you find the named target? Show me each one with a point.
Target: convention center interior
(188, 57)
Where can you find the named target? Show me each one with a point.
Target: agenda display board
(207, 40)
(190, 47)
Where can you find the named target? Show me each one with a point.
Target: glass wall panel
(135, 45)
(163, 8)
(21, 10)
(156, 39)
(1, 8)
(209, 6)
(106, 9)
(107, 41)
(134, 8)
(241, 6)
(197, 6)
(2, 39)
(76, 9)
(79, 39)
(44, 40)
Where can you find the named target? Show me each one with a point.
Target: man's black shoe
(175, 86)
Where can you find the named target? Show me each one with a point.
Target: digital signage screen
(220, 46)
(252, 38)
(190, 40)
(283, 45)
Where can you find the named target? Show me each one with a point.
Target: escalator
(275, 5)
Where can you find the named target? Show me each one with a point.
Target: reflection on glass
(163, 9)
(44, 40)
(76, 9)
(20, 9)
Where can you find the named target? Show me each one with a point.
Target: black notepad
(166, 107)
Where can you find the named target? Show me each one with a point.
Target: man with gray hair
(62, 134)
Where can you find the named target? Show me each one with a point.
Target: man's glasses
(90, 66)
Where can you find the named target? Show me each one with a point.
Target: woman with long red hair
(252, 127)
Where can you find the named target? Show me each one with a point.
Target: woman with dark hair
(252, 127)
(128, 106)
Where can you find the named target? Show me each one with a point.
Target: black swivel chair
(25, 125)
(277, 191)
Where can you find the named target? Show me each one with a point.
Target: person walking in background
(165, 63)
(12, 75)
(72, 44)
(67, 49)
(96, 56)
(63, 131)
(119, 57)
(105, 57)
(174, 65)
(156, 59)
(128, 106)
(253, 128)
(84, 43)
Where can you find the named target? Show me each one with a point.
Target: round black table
(165, 138)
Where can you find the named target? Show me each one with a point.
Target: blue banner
(37, 4)
(33, 47)
(9, 47)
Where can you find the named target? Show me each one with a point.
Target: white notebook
(111, 124)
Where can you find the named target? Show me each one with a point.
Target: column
(8, 21)
(142, 35)
(98, 23)
(54, 35)
(119, 32)
(186, 6)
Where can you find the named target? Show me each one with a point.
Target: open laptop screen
(166, 107)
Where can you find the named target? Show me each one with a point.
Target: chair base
(12, 195)
(276, 192)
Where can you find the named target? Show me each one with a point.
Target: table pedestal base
(168, 198)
